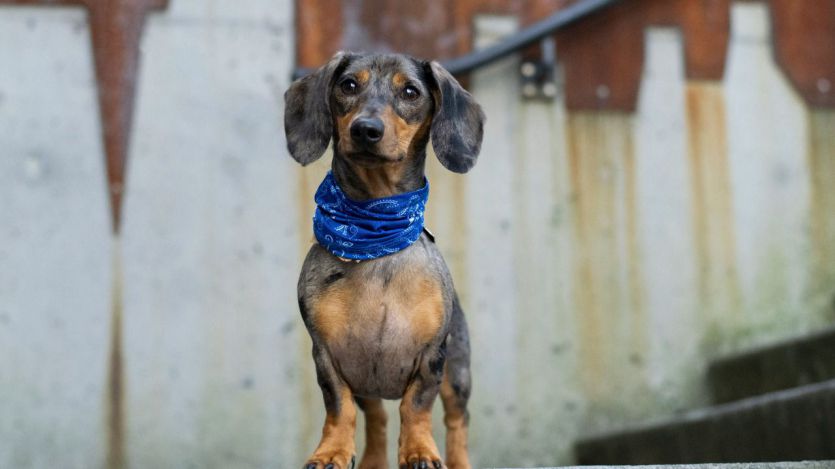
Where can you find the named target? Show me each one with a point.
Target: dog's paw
(420, 456)
(424, 464)
(333, 460)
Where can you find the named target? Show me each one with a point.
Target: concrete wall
(601, 258)
(54, 244)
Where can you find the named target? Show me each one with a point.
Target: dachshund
(390, 327)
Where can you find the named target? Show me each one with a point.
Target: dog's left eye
(410, 93)
(349, 86)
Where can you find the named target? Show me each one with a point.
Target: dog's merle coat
(391, 327)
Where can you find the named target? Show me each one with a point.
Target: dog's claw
(353, 461)
(424, 465)
(310, 466)
(329, 466)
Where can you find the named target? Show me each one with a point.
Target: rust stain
(116, 26)
(608, 302)
(821, 160)
(115, 413)
(307, 431)
(585, 285)
(634, 259)
(459, 240)
(712, 202)
(696, 153)
(308, 179)
(446, 218)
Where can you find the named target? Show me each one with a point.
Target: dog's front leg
(336, 449)
(374, 456)
(417, 448)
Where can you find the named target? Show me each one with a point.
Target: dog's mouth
(367, 157)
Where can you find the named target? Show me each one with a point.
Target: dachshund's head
(382, 109)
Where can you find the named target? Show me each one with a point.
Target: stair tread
(797, 423)
(728, 408)
(755, 465)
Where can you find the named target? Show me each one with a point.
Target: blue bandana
(369, 229)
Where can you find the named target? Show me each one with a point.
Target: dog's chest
(377, 324)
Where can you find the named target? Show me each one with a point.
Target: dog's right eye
(349, 86)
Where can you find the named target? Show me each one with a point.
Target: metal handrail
(513, 43)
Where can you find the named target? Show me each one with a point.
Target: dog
(390, 327)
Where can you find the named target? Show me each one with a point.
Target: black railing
(517, 41)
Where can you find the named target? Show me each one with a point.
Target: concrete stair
(773, 404)
(781, 366)
(771, 465)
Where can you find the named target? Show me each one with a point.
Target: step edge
(752, 353)
(752, 465)
(716, 410)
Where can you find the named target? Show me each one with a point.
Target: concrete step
(753, 465)
(784, 365)
(791, 425)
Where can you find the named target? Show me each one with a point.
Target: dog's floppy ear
(458, 124)
(307, 117)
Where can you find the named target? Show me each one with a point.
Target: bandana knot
(368, 229)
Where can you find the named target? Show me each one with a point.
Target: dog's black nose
(367, 130)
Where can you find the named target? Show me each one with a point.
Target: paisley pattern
(368, 229)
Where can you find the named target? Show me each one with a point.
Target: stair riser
(772, 465)
(788, 365)
(794, 427)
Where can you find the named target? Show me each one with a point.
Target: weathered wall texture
(601, 257)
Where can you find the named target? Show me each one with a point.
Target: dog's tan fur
(391, 327)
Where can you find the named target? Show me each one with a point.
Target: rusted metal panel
(319, 30)
(705, 25)
(429, 29)
(424, 29)
(46, 2)
(115, 28)
(526, 12)
(603, 56)
(804, 40)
